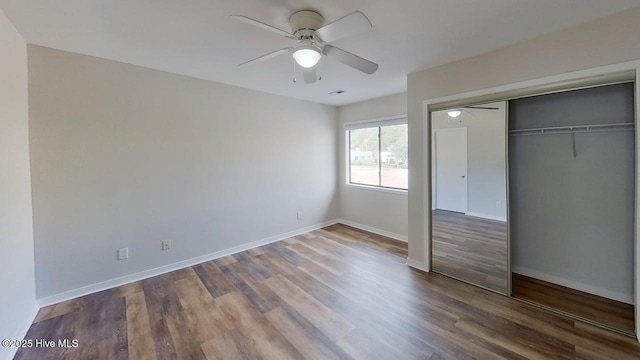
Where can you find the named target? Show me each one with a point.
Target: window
(378, 153)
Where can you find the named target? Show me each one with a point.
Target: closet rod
(573, 129)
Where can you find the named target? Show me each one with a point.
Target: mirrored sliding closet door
(469, 195)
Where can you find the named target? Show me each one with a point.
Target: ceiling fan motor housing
(304, 23)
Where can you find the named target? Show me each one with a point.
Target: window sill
(377, 188)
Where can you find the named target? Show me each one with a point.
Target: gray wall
(382, 210)
(572, 218)
(486, 159)
(124, 156)
(17, 292)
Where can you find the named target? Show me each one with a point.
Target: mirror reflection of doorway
(451, 169)
(469, 217)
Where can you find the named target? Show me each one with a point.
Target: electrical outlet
(166, 245)
(299, 214)
(498, 204)
(123, 253)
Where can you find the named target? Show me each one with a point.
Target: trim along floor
(333, 293)
(615, 314)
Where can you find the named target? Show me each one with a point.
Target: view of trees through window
(378, 156)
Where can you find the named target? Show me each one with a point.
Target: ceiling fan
(312, 41)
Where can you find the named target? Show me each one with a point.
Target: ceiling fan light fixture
(307, 56)
(454, 113)
(313, 38)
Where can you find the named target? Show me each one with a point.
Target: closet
(571, 200)
(534, 196)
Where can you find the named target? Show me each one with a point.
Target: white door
(451, 169)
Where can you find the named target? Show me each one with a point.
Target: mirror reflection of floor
(605, 311)
(470, 248)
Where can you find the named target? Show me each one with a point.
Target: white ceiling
(198, 38)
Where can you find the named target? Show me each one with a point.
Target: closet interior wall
(571, 191)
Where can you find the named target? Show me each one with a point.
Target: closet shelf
(573, 129)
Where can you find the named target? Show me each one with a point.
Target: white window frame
(364, 124)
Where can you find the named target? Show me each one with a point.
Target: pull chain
(294, 72)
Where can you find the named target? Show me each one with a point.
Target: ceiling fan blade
(309, 75)
(266, 56)
(349, 59)
(351, 24)
(263, 26)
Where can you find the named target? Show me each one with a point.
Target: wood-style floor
(334, 293)
(608, 312)
(470, 248)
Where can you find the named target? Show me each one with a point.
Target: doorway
(451, 169)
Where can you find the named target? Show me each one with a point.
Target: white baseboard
(614, 295)
(420, 265)
(108, 284)
(413, 263)
(20, 332)
(371, 229)
(486, 216)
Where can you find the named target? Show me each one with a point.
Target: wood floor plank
(261, 297)
(360, 345)
(212, 277)
(226, 260)
(231, 345)
(119, 348)
(347, 286)
(330, 323)
(290, 256)
(58, 310)
(606, 311)
(163, 342)
(132, 288)
(269, 343)
(333, 293)
(500, 339)
(383, 327)
(257, 270)
(161, 297)
(328, 263)
(470, 248)
(185, 336)
(300, 332)
(49, 329)
(96, 351)
(138, 327)
(205, 320)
